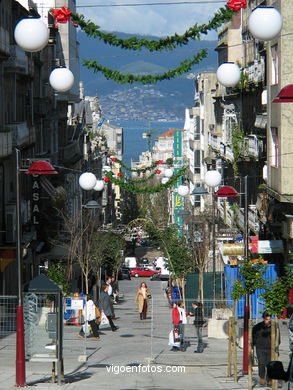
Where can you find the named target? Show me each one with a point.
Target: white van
(161, 265)
(130, 262)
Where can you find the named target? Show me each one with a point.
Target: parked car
(160, 277)
(141, 271)
(124, 273)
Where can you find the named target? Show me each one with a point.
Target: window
(275, 65)
(275, 147)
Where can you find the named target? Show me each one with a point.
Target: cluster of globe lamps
(265, 24)
(32, 34)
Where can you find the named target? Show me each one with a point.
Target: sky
(158, 20)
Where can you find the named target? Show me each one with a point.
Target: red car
(141, 271)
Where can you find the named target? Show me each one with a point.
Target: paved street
(131, 348)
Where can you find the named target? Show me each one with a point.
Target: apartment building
(248, 134)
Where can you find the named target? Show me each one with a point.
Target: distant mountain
(164, 100)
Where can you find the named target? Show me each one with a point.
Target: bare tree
(199, 244)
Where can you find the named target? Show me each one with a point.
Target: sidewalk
(131, 348)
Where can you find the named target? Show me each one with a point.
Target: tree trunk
(235, 369)
(250, 354)
(183, 289)
(234, 341)
(200, 285)
(86, 284)
(230, 342)
(274, 345)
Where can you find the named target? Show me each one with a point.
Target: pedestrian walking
(261, 340)
(142, 298)
(115, 289)
(176, 340)
(198, 323)
(179, 322)
(90, 319)
(109, 283)
(183, 322)
(106, 306)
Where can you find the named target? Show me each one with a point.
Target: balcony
(194, 144)
(18, 62)
(22, 134)
(253, 221)
(256, 72)
(70, 153)
(253, 147)
(5, 144)
(228, 153)
(215, 141)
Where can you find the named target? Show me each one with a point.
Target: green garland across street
(139, 170)
(169, 43)
(129, 78)
(223, 15)
(131, 186)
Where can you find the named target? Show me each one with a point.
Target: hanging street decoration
(222, 16)
(139, 170)
(128, 78)
(133, 185)
(62, 15)
(236, 5)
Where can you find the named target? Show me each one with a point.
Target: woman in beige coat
(142, 297)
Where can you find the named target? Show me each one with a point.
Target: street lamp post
(38, 168)
(213, 179)
(20, 355)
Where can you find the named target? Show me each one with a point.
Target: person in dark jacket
(106, 305)
(261, 340)
(198, 323)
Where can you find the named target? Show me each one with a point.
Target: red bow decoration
(113, 159)
(236, 5)
(62, 15)
(119, 174)
(106, 179)
(160, 162)
(158, 171)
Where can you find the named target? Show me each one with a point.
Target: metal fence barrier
(8, 305)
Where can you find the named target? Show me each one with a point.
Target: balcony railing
(252, 147)
(228, 153)
(253, 221)
(256, 72)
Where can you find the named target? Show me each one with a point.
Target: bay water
(134, 143)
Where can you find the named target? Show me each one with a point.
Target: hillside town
(177, 269)
(140, 103)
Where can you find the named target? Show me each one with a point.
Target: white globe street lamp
(212, 178)
(165, 180)
(183, 190)
(265, 23)
(61, 79)
(228, 74)
(99, 186)
(168, 172)
(31, 34)
(87, 181)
